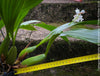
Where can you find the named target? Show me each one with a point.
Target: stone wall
(57, 1)
(65, 1)
(61, 12)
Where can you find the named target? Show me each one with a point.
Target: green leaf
(9, 11)
(84, 23)
(92, 22)
(28, 4)
(29, 22)
(28, 27)
(83, 34)
(1, 24)
(37, 23)
(55, 32)
(60, 29)
(45, 26)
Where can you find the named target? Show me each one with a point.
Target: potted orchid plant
(12, 13)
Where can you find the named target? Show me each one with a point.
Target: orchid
(12, 13)
(78, 17)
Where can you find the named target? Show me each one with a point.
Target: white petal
(78, 17)
(77, 11)
(83, 11)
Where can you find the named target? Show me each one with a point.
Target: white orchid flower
(78, 17)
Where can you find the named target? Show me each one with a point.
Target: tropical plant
(12, 13)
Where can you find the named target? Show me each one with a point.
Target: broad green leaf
(28, 27)
(28, 4)
(55, 32)
(81, 26)
(60, 29)
(84, 23)
(29, 22)
(67, 25)
(45, 26)
(92, 22)
(51, 28)
(1, 24)
(37, 23)
(83, 34)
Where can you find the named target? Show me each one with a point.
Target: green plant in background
(12, 13)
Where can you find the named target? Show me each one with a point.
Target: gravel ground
(26, 35)
(23, 35)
